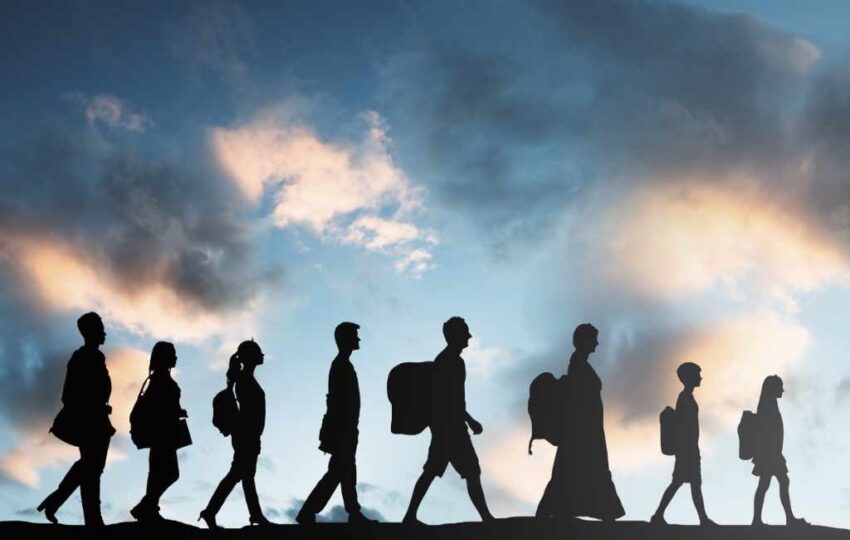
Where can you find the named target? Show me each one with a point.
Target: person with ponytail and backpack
(768, 460)
(245, 431)
(160, 420)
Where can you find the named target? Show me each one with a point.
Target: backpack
(409, 392)
(547, 408)
(225, 411)
(141, 424)
(669, 431)
(747, 435)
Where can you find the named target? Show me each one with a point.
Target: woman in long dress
(581, 483)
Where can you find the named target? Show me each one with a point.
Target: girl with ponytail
(245, 436)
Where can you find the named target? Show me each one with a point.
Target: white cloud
(486, 360)
(679, 240)
(111, 111)
(63, 278)
(349, 192)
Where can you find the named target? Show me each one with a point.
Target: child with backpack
(768, 460)
(687, 469)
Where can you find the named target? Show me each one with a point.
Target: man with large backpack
(450, 440)
(687, 469)
(339, 433)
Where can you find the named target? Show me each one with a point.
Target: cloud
(618, 93)
(34, 452)
(485, 361)
(111, 111)
(334, 514)
(704, 234)
(349, 192)
(65, 280)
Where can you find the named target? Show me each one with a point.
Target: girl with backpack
(768, 458)
(246, 430)
(166, 430)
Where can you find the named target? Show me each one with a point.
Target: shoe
(359, 519)
(706, 522)
(260, 520)
(209, 519)
(306, 518)
(143, 514)
(411, 522)
(657, 519)
(757, 523)
(797, 522)
(49, 513)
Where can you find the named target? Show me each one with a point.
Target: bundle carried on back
(547, 408)
(669, 431)
(747, 435)
(141, 423)
(225, 411)
(409, 388)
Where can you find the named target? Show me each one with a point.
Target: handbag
(183, 437)
(66, 427)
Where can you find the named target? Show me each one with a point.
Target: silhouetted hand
(109, 409)
(475, 426)
(183, 413)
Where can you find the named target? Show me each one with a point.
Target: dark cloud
(144, 221)
(335, 514)
(605, 93)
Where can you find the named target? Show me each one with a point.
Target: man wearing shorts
(450, 440)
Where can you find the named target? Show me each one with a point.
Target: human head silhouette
(585, 338)
(90, 326)
(456, 332)
(690, 374)
(249, 353)
(163, 356)
(345, 335)
(772, 388)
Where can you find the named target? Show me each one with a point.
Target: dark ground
(512, 528)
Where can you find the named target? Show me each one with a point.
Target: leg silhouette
(476, 494)
(163, 472)
(699, 503)
(785, 498)
(93, 460)
(419, 491)
(671, 490)
(758, 501)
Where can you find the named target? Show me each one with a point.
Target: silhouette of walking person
(450, 440)
(84, 422)
(165, 423)
(339, 433)
(768, 460)
(687, 467)
(581, 483)
(245, 437)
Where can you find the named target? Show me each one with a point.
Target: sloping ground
(503, 529)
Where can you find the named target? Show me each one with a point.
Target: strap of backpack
(142, 389)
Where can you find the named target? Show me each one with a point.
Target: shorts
(456, 449)
(688, 470)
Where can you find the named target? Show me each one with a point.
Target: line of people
(581, 482)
